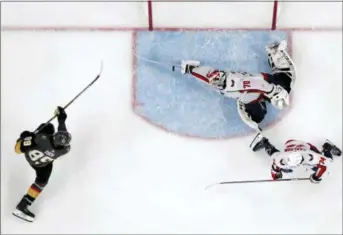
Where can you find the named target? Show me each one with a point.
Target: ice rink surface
(125, 175)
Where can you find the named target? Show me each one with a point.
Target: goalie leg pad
(281, 63)
(246, 118)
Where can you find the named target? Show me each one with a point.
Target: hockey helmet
(61, 138)
(280, 99)
(294, 159)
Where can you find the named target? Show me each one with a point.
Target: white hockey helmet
(293, 159)
(280, 99)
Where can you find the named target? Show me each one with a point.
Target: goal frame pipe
(274, 15)
(150, 15)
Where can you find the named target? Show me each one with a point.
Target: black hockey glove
(61, 114)
(314, 179)
(277, 175)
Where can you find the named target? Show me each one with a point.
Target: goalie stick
(157, 62)
(70, 102)
(175, 66)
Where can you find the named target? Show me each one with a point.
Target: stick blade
(211, 185)
(100, 72)
(101, 68)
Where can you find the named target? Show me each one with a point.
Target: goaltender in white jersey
(251, 91)
(297, 153)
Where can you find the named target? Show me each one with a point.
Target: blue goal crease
(180, 103)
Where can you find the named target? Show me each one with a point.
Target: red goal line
(117, 28)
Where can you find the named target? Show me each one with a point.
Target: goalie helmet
(280, 98)
(216, 79)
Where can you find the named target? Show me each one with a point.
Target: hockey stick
(175, 66)
(157, 62)
(70, 102)
(257, 181)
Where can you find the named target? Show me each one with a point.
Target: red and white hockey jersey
(311, 158)
(246, 87)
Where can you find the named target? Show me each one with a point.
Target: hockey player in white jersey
(297, 153)
(251, 91)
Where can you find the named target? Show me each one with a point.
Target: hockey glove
(276, 172)
(61, 114)
(276, 175)
(314, 179)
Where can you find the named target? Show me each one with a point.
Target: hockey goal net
(270, 15)
(147, 7)
(151, 15)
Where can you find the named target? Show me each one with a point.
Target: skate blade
(329, 142)
(256, 137)
(22, 216)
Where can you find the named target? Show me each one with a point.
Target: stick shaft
(263, 181)
(77, 96)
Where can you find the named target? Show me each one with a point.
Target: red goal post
(275, 12)
(151, 25)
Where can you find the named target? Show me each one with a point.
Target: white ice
(124, 175)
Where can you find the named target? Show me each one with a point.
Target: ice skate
(333, 149)
(258, 142)
(23, 212)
